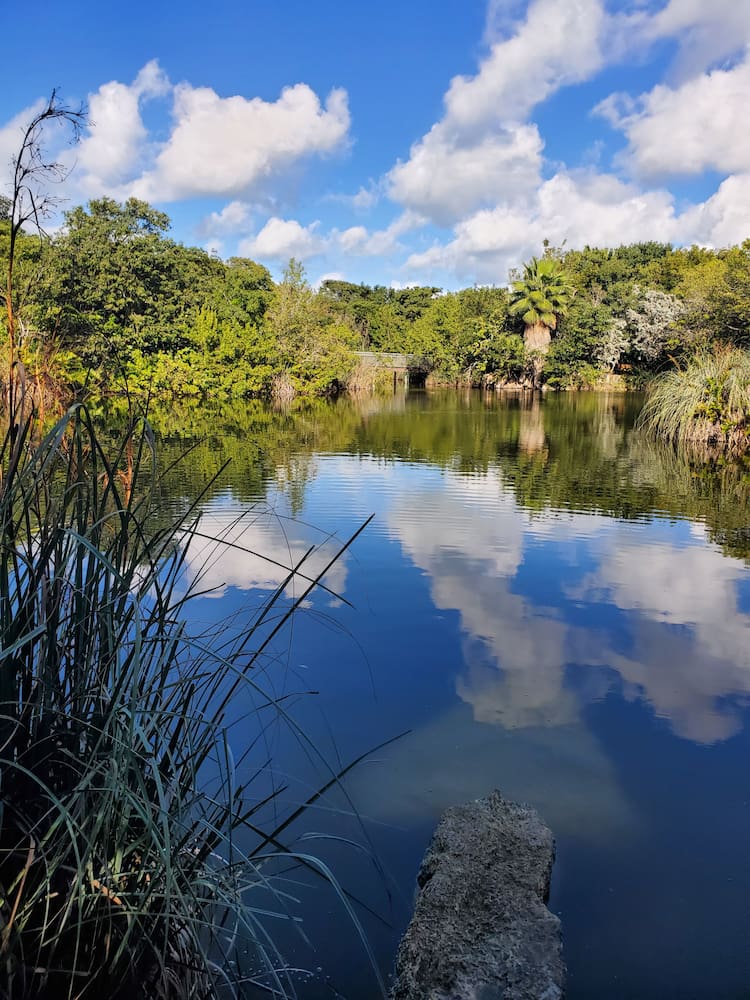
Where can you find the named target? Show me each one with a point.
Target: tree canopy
(111, 295)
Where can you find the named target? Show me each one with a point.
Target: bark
(537, 337)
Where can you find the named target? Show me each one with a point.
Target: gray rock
(481, 929)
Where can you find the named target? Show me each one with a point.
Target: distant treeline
(112, 297)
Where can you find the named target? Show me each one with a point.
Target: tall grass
(368, 377)
(706, 404)
(122, 813)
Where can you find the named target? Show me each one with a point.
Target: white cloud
(227, 146)
(686, 672)
(353, 238)
(471, 551)
(117, 136)
(577, 207)
(480, 168)
(329, 276)
(280, 239)
(214, 247)
(365, 197)
(444, 180)
(660, 582)
(234, 217)
(557, 44)
(284, 238)
(359, 241)
(216, 146)
(502, 19)
(482, 151)
(516, 651)
(258, 550)
(688, 129)
(399, 286)
(706, 32)
(11, 135)
(722, 220)
(599, 209)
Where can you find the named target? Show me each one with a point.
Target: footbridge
(411, 369)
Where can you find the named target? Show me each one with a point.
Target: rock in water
(481, 929)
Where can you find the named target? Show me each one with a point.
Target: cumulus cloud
(329, 276)
(258, 551)
(284, 238)
(234, 217)
(687, 129)
(360, 241)
(444, 180)
(226, 146)
(364, 199)
(11, 135)
(280, 239)
(480, 169)
(706, 32)
(516, 650)
(557, 44)
(685, 672)
(577, 207)
(353, 238)
(482, 150)
(216, 146)
(117, 137)
(722, 219)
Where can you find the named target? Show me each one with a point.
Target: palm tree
(541, 298)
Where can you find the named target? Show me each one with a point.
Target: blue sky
(437, 142)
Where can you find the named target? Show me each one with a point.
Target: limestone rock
(481, 929)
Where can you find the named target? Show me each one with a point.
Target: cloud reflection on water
(563, 772)
(257, 548)
(688, 640)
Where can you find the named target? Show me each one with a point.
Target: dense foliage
(112, 295)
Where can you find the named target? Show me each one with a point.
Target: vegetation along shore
(111, 300)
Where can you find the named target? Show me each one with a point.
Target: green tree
(113, 270)
(724, 298)
(313, 352)
(540, 298)
(30, 203)
(581, 335)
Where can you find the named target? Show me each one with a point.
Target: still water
(545, 602)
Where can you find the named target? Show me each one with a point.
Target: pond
(545, 602)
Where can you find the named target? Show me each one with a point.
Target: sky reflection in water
(594, 665)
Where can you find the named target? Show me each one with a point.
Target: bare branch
(33, 170)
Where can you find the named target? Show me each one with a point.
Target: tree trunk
(537, 337)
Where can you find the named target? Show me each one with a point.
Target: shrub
(706, 403)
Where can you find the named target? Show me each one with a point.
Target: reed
(367, 378)
(122, 813)
(705, 404)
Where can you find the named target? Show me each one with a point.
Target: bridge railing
(398, 362)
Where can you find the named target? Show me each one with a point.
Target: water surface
(545, 602)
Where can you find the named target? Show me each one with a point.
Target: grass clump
(705, 404)
(130, 846)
